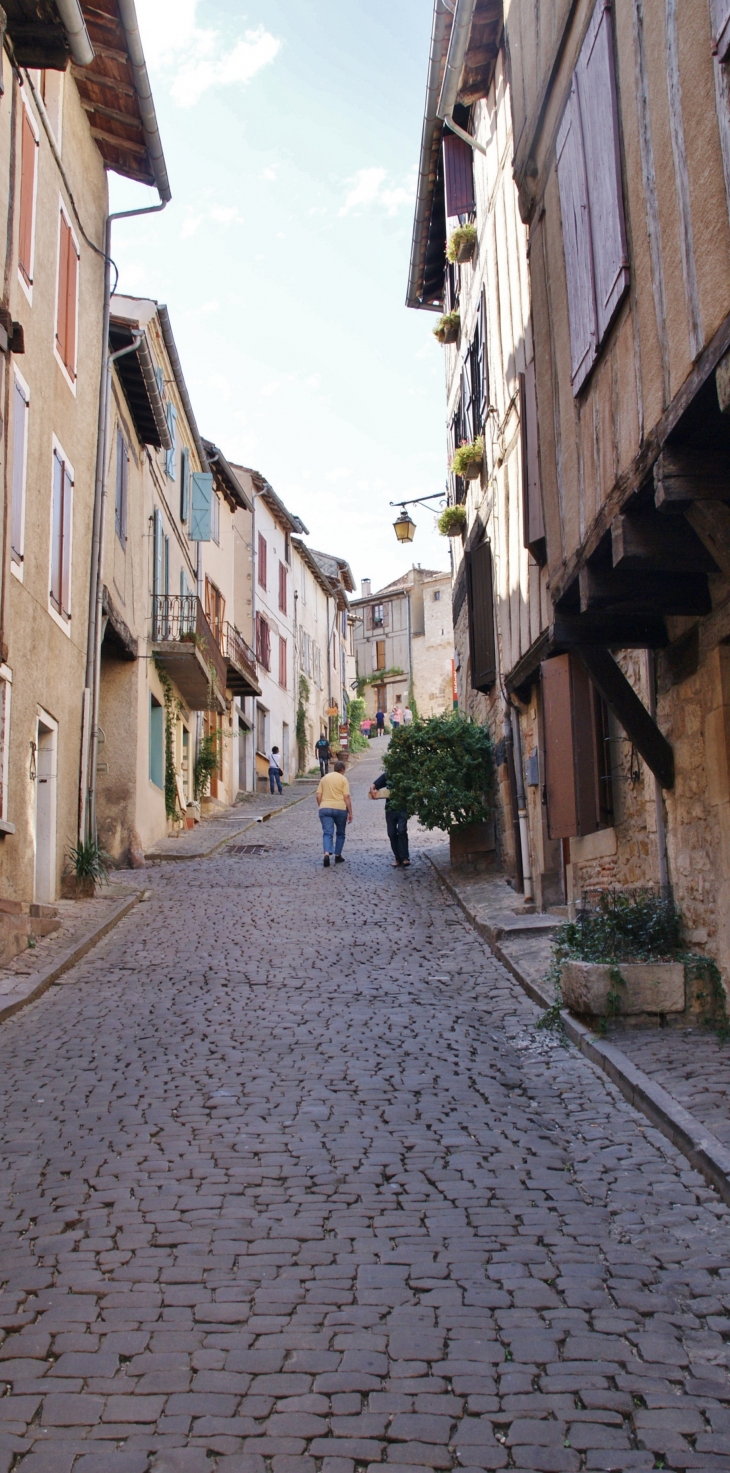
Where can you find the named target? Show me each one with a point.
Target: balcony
(240, 664)
(183, 643)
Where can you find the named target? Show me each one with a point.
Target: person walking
(335, 812)
(395, 716)
(380, 721)
(407, 716)
(396, 820)
(324, 755)
(275, 769)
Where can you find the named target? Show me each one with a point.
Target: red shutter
(599, 118)
(282, 587)
(72, 287)
(267, 645)
(569, 744)
(28, 149)
(721, 29)
(481, 617)
(458, 176)
(282, 662)
(575, 218)
(532, 518)
(262, 561)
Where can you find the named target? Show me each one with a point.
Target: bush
(442, 771)
(465, 235)
(206, 763)
(452, 521)
(90, 861)
(468, 454)
(621, 926)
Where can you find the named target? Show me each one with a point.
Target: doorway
(45, 809)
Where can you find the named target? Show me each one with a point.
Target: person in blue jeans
(275, 769)
(335, 812)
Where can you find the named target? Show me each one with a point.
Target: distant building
(404, 643)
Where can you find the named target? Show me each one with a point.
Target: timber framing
(631, 713)
(109, 97)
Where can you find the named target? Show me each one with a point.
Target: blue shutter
(184, 484)
(202, 501)
(157, 759)
(171, 453)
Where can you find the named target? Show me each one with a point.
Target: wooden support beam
(684, 473)
(619, 591)
(631, 713)
(645, 540)
(617, 631)
(711, 521)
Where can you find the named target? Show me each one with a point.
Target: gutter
(176, 367)
(431, 125)
(74, 25)
(458, 46)
(128, 17)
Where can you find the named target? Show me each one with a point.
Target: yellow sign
(333, 710)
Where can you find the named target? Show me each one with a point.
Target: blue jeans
(333, 820)
(274, 777)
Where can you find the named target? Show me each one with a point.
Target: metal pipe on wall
(521, 804)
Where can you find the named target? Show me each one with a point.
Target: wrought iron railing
(236, 650)
(180, 617)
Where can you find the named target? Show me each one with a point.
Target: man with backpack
(323, 754)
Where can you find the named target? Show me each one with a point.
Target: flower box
(462, 244)
(448, 327)
(472, 470)
(648, 987)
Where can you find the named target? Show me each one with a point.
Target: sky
(291, 133)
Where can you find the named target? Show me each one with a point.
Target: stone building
(324, 646)
(404, 643)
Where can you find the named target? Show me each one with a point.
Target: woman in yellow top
(335, 812)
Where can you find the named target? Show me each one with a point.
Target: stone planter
(78, 887)
(472, 845)
(650, 987)
(449, 335)
(465, 252)
(472, 470)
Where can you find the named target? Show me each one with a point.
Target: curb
(703, 1150)
(43, 980)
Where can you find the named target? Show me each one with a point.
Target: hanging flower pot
(469, 459)
(452, 522)
(448, 327)
(462, 244)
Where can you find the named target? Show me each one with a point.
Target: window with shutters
(287, 548)
(282, 663)
(157, 737)
(261, 570)
(481, 617)
(21, 401)
(591, 200)
(283, 570)
(576, 748)
(456, 434)
(378, 616)
(28, 191)
(458, 176)
(67, 299)
(380, 654)
(261, 743)
(533, 525)
(215, 610)
(61, 534)
(263, 642)
(120, 504)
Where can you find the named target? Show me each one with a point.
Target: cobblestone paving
(291, 1184)
(691, 1063)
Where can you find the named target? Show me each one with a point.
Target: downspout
(74, 25)
(458, 46)
(521, 804)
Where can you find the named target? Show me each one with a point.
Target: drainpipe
(74, 25)
(458, 45)
(661, 832)
(521, 804)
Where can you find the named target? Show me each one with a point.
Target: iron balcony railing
(180, 618)
(237, 650)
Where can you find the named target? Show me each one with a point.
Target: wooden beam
(124, 144)
(618, 591)
(645, 540)
(711, 521)
(129, 121)
(684, 473)
(631, 713)
(624, 630)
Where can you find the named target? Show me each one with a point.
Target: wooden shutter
(20, 429)
(467, 400)
(721, 29)
(282, 587)
(533, 525)
(262, 561)
(282, 662)
(574, 212)
(599, 119)
(28, 156)
(57, 534)
(478, 370)
(481, 617)
(267, 645)
(569, 744)
(458, 176)
(201, 506)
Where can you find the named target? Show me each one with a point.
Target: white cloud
(269, 174)
(194, 59)
(368, 189)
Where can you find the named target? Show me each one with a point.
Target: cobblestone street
(291, 1182)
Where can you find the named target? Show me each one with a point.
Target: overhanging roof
(135, 372)
(225, 476)
(286, 519)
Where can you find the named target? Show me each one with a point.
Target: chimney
(365, 586)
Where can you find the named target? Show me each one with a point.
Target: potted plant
(452, 522)
(448, 327)
(469, 459)
(442, 772)
(89, 869)
(462, 244)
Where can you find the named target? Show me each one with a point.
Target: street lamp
(405, 527)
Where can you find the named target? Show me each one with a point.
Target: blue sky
(291, 133)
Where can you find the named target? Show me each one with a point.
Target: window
(171, 454)
(215, 518)
(261, 729)
(28, 176)
(120, 515)
(61, 531)
(263, 642)
(282, 587)
(287, 548)
(591, 202)
(215, 610)
(20, 456)
(184, 483)
(474, 380)
(343, 624)
(437, 596)
(156, 742)
(481, 617)
(67, 296)
(576, 748)
(378, 616)
(282, 663)
(262, 562)
(379, 650)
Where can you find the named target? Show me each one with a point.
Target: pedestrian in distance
(396, 821)
(407, 716)
(335, 812)
(275, 769)
(395, 716)
(324, 755)
(380, 721)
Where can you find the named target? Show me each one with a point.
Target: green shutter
(156, 743)
(202, 501)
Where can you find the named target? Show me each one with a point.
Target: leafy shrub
(452, 521)
(356, 714)
(623, 926)
(206, 762)
(442, 771)
(468, 454)
(464, 235)
(447, 325)
(90, 861)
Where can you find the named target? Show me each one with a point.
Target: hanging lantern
(405, 527)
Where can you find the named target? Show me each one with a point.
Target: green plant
(442, 771)
(448, 327)
(468, 454)
(452, 521)
(302, 719)
(356, 715)
(172, 711)
(89, 861)
(206, 762)
(464, 235)
(378, 677)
